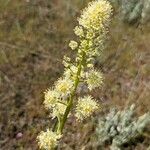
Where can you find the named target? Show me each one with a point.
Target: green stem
(58, 124)
(62, 103)
(70, 103)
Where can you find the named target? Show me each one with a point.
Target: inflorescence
(59, 99)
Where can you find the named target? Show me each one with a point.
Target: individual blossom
(48, 140)
(59, 109)
(64, 86)
(73, 45)
(94, 79)
(78, 30)
(72, 71)
(51, 97)
(84, 44)
(66, 61)
(90, 65)
(85, 107)
(90, 34)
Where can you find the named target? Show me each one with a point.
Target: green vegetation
(121, 128)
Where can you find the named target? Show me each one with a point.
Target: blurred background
(34, 36)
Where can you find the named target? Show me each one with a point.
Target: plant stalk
(70, 103)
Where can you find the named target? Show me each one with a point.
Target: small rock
(19, 135)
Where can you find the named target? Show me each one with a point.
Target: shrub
(120, 128)
(133, 11)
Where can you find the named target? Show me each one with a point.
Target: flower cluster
(73, 45)
(96, 16)
(91, 33)
(64, 86)
(94, 79)
(48, 140)
(51, 97)
(93, 26)
(85, 107)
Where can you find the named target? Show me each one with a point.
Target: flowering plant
(91, 33)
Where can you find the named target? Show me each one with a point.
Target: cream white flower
(94, 79)
(51, 98)
(96, 15)
(90, 65)
(58, 110)
(94, 21)
(73, 45)
(66, 61)
(79, 31)
(85, 107)
(84, 44)
(64, 86)
(48, 140)
(90, 34)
